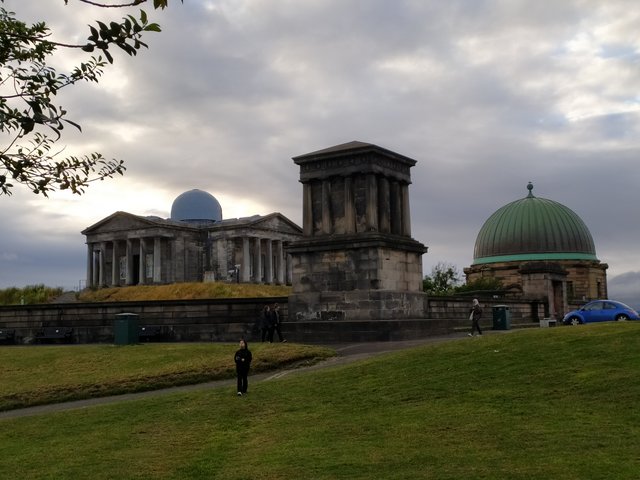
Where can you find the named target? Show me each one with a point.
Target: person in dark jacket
(263, 322)
(275, 312)
(474, 315)
(243, 362)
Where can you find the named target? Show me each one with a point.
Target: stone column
(406, 213)
(326, 208)
(384, 205)
(395, 197)
(372, 203)
(115, 265)
(551, 298)
(245, 273)
(257, 263)
(157, 260)
(89, 265)
(307, 210)
(102, 253)
(268, 264)
(280, 263)
(565, 299)
(142, 268)
(289, 269)
(95, 260)
(349, 207)
(129, 276)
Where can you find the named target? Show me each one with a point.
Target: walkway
(347, 353)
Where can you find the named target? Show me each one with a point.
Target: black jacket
(243, 359)
(476, 311)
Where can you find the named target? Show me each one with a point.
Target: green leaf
(152, 27)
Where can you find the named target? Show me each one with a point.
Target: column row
(134, 261)
(354, 204)
(263, 261)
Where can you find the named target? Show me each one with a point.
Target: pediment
(278, 222)
(121, 221)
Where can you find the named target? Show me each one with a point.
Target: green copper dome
(532, 229)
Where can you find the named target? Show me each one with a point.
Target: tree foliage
(443, 279)
(30, 120)
(487, 284)
(29, 295)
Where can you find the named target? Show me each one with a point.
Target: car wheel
(622, 318)
(575, 321)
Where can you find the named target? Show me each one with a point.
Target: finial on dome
(530, 188)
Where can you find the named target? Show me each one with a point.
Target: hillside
(536, 404)
(183, 291)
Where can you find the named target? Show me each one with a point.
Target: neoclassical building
(540, 249)
(195, 244)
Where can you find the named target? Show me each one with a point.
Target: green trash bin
(501, 317)
(125, 329)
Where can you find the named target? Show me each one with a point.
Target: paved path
(347, 353)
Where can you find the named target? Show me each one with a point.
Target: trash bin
(125, 329)
(501, 317)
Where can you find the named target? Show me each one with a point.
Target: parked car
(600, 311)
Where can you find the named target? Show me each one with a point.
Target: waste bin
(125, 329)
(501, 317)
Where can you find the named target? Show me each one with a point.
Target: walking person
(278, 322)
(243, 362)
(474, 315)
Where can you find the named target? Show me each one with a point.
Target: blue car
(601, 311)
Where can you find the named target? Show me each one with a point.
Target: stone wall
(229, 319)
(192, 320)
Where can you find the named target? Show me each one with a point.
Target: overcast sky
(486, 95)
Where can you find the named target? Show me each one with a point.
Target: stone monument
(356, 260)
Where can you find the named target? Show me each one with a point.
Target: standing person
(263, 322)
(243, 362)
(278, 322)
(271, 323)
(474, 315)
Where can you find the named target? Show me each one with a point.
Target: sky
(486, 96)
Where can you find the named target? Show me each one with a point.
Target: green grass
(555, 403)
(184, 291)
(46, 374)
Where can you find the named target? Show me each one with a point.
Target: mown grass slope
(184, 291)
(555, 403)
(49, 374)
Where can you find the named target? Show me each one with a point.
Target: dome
(196, 206)
(533, 229)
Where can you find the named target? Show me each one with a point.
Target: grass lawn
(555, 403)
(34, 375)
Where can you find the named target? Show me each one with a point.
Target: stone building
(195, 244)
(540, 249)
(356, 259)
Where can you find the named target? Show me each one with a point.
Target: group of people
(269, 323)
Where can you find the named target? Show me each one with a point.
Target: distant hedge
(31, 294)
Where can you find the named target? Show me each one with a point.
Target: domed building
(195, 244)
(196, 206)
(540, 250)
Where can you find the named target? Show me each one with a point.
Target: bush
(29, 295)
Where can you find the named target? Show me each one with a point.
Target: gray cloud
(485, 95)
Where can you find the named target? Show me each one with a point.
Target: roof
(533, 229)
(350, 148)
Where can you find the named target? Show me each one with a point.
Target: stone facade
(560, 284)
(356, 260)
(126, 249)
